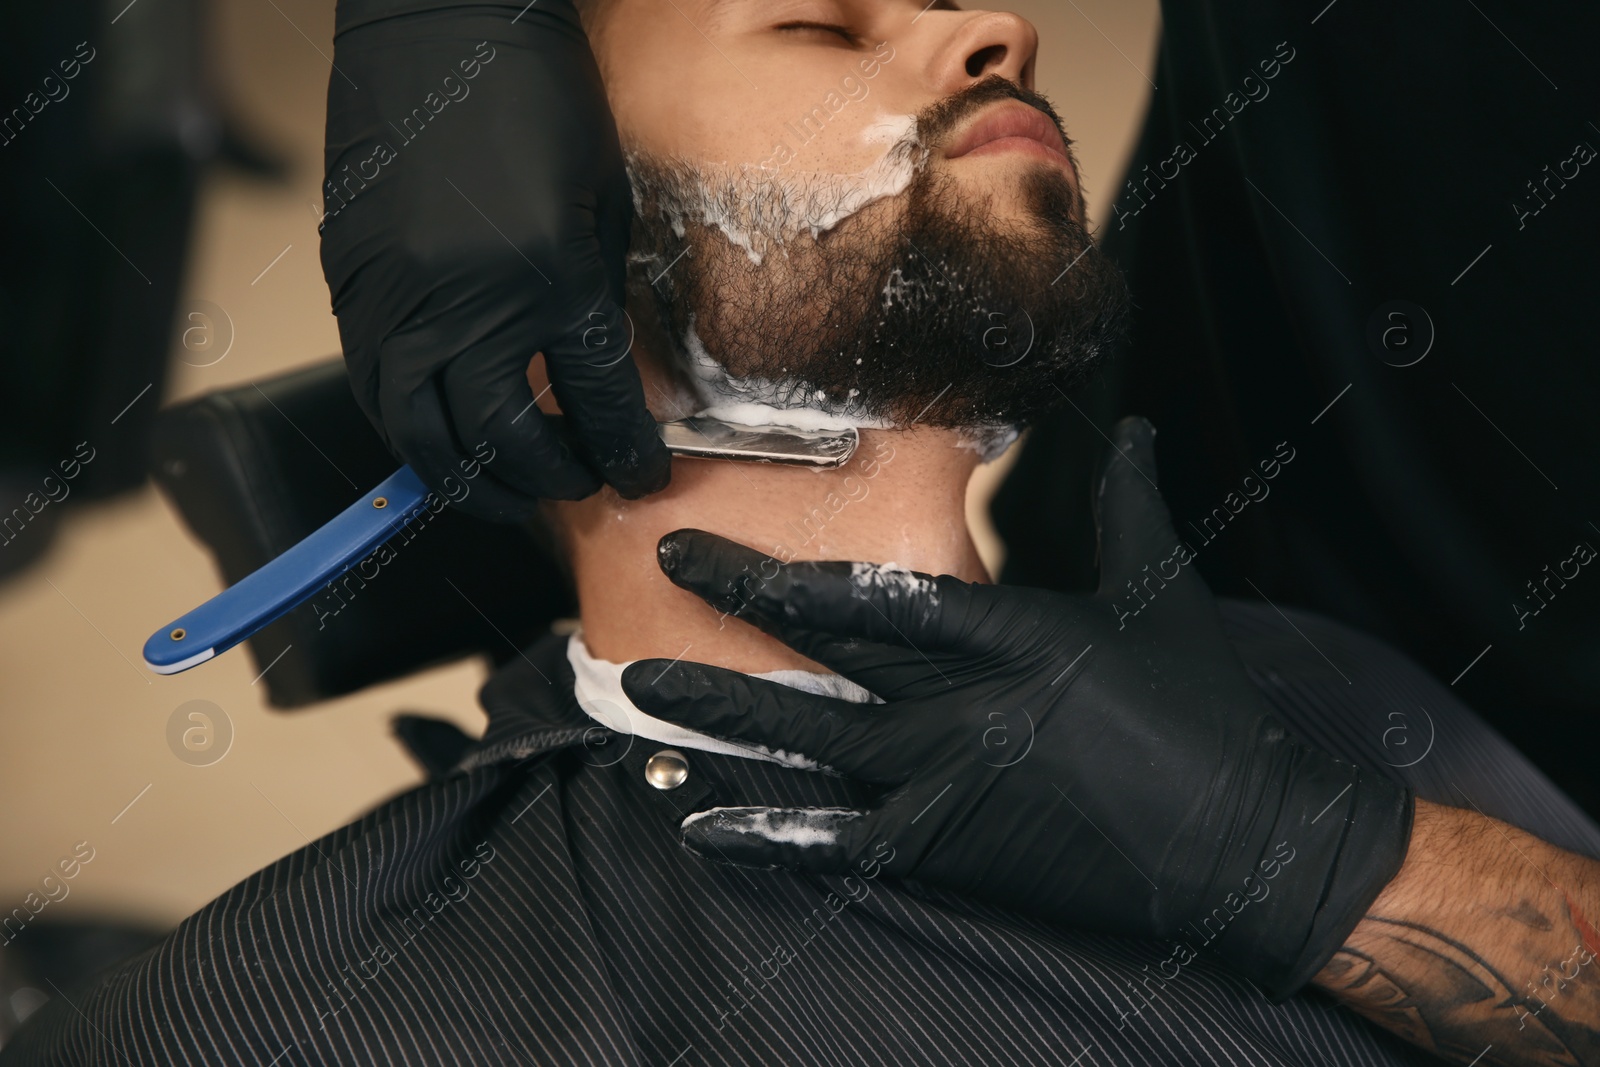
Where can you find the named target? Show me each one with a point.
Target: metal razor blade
(707, 438)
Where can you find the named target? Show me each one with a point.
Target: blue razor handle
(294, 577)
(291, 579)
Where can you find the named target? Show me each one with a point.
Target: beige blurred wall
(83, 727)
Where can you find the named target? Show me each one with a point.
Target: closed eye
(843, 32)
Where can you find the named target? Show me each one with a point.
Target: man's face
(856, 205)
(738, 80)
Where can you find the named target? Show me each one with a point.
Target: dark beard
(921, 308)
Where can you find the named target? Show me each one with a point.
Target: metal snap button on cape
(667, 769)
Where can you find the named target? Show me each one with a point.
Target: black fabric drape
(1387, 159)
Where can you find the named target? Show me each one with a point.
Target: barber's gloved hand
(477, 213)
(1055, 754)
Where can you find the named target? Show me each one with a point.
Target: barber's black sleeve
(477, 213)
(1101, 762)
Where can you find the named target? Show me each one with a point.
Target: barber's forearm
(1482, 949)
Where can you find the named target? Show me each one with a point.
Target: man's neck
(901, 499)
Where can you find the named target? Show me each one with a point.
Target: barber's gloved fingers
(897, 668)
(458, 261)
(588, 354)
(865, 601)
(360, 370)
(591, 368)
(856, 740)
(423, 431)
(1131, 516)
(420, 432)
(816, 840)
(486, 387)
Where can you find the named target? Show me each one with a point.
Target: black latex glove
(493, 225)
(1055, 754)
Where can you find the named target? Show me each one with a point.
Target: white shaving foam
(597, 685)
(898, 584)
(891, 129)
(806, 827)
(894, 578)
(757, 208)
(989, 442)
(763, 402)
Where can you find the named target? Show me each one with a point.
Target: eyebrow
(714, 8)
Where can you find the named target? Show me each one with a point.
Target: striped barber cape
(535, 907)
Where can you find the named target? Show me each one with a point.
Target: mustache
(936, 124)
(939, 120)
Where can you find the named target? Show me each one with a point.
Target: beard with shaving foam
(886, 298)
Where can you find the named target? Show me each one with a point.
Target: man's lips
(1007, 127)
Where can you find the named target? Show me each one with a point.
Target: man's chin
(1017, 187)
(1005, 164)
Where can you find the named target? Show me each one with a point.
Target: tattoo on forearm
(1440, 993)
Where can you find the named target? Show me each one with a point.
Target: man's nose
(985, 43)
